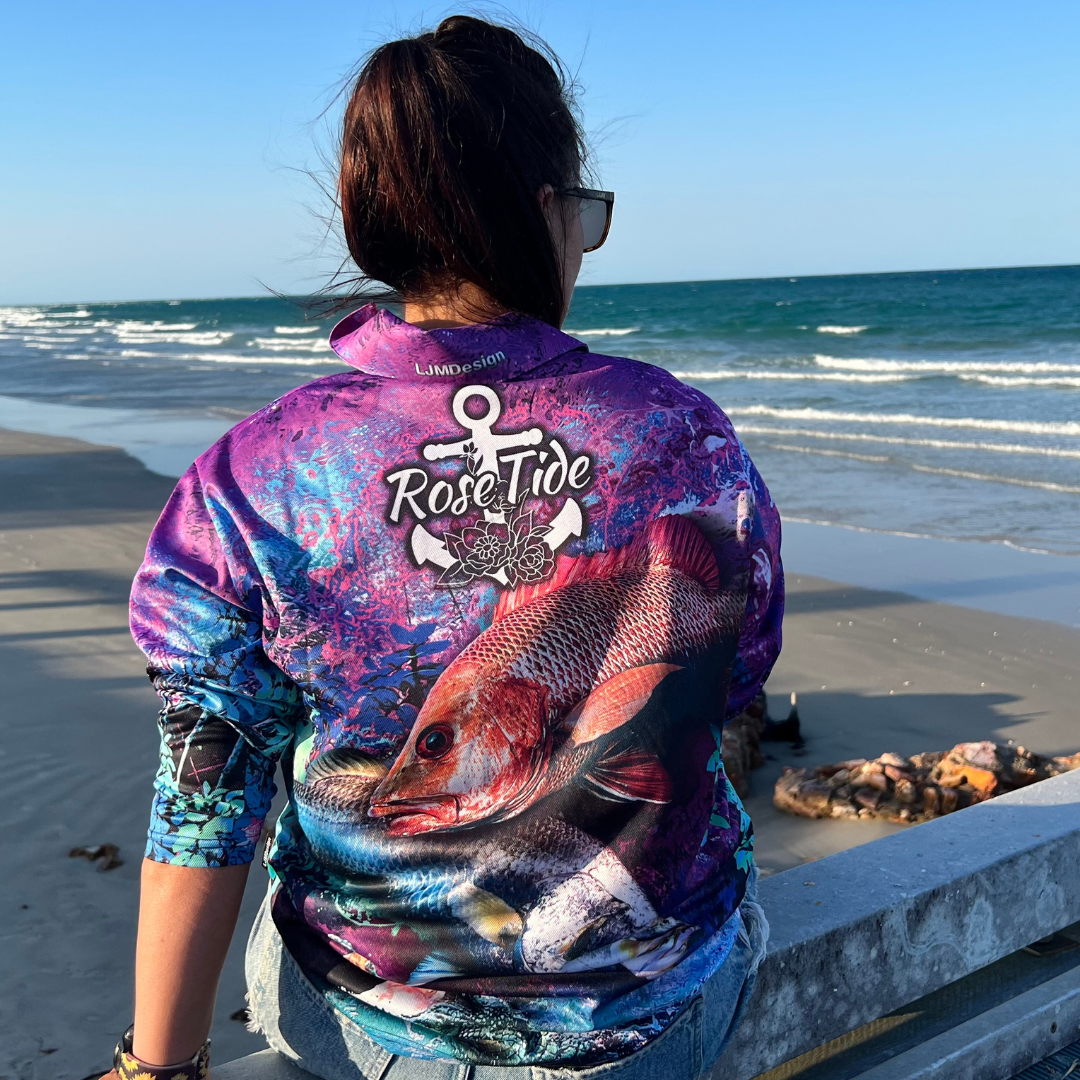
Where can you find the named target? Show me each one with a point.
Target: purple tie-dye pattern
(280, 601)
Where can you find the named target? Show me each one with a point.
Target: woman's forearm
(186, 920)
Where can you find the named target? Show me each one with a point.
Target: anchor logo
(504, 544)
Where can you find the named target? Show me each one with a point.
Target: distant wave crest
(947, 367)
(842, 329)
(609, 331)
(790, 376)
(1024, 380)
(134, 326)
(899, 440)
(1029, 427)
(255, 360)
(274, 345)
(964, 474)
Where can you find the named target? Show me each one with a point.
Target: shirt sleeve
(229, 712)
(761, 637)
(691, 460)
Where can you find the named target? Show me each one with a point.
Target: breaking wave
(1028, 427)
(964, 474)
(790, 376)
(947, 367)
(898, 440)
(256, 360)
(610, 332)
(1025, 380)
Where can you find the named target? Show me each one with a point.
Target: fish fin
(632, 774)
(489, 916)
(345, 761)
(433, 967)
(673, 541)
(398, 999)
(616, 702)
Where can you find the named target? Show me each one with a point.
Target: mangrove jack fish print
(550, 693)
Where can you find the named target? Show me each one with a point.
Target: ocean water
(930, 404)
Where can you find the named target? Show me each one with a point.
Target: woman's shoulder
(302, 414)
(637, 384)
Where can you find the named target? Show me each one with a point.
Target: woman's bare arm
(186, 920)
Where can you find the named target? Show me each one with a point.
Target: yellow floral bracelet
(129, 1067)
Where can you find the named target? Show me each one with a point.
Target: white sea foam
(604, 330)
(947, 367)
(1045, 485)
(1025, 380)
(274, 345)
(231, 358)
(829, 453)
(790, 376)
(47, 331)
(1029, 427)
(258, 361)
(842, 329)
(897, 440)
(295, 329)
(964, 474)
(204, 337)
(134, 326)
(20, 316)
(39, 332)
(968, 544)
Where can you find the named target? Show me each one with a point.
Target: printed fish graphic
(549, 693)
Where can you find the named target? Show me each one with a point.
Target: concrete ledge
(265, 1065)
(1000, 1042)
(861, 933)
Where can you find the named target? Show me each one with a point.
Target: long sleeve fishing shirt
(488, 598)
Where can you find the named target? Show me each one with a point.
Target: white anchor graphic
(485, 445)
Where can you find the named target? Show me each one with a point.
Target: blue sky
(156, 150)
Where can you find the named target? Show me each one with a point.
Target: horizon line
(607, 285)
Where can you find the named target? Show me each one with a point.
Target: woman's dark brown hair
(448, 137)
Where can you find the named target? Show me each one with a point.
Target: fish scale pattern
(575, 641)
(495, 671)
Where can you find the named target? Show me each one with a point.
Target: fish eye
(435, 741)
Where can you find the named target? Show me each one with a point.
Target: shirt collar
(379, 343)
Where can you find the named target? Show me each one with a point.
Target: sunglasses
(596, 207)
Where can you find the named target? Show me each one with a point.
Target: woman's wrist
(129, 1067)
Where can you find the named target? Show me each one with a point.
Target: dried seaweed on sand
(924, 786)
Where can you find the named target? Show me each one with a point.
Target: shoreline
(994, 577)
(874, 671)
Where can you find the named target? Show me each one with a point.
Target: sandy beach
(874, 671)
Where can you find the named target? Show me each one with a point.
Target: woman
(488, 599)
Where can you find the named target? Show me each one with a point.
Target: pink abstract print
(491, 617)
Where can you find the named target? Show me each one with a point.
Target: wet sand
(877, 671)
(79, 742)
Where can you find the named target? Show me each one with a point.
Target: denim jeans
(300, 1024)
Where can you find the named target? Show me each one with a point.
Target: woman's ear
(546, 198)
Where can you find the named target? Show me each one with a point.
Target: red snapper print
(549, 694)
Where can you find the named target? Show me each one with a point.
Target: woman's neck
(468, 305)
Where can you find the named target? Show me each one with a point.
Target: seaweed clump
(917, 788)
